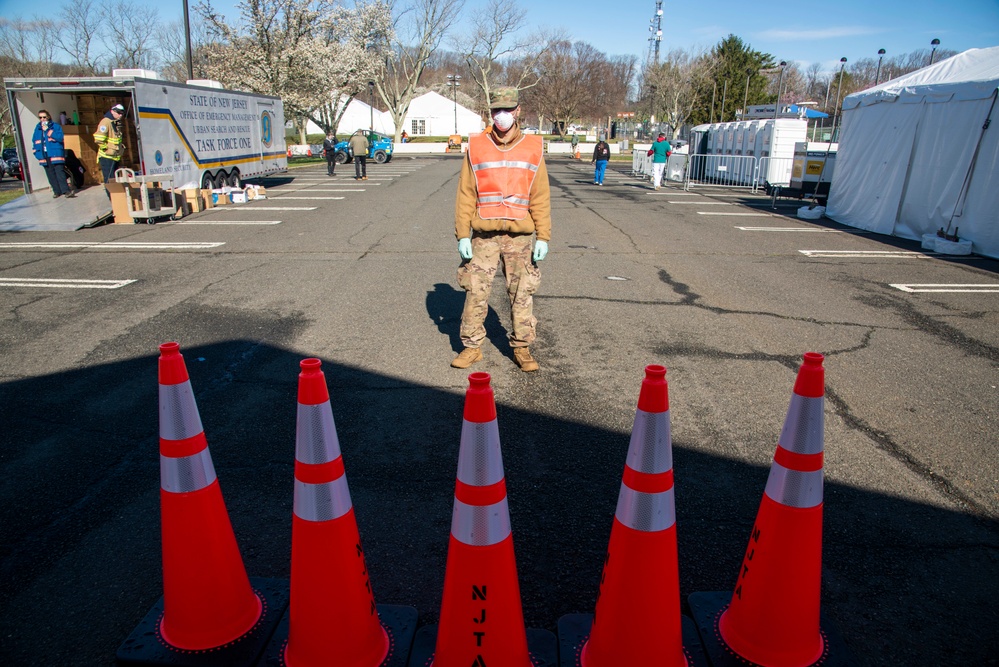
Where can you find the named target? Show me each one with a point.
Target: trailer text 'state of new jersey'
(219, 134)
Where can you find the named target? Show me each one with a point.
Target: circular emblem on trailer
(159, 158)
(266, 128)
(176, 156)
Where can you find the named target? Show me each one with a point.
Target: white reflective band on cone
(480, 525)
(315, 435)
(184, 474)
(651, 450)
(793, 488)
(179, 418)
(802, 432)
(322, 502)
(480, 462)
(647, 512)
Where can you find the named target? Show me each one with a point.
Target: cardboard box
(188, 201)
(221, 198)
(238, 197)
(206, 199)
(255, 192)
(119, 202)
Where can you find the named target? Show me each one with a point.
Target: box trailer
(189, 133)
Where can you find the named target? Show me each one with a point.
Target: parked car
(12, 164)
(379, 148)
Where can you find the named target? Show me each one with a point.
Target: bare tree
(419, 30)
(80, 30)
(498, 53)
(677, 85)
(29, 46)
(172, 43)
(131, 37)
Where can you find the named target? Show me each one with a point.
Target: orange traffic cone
(772, 618)
(208, 603)
(481, 619)
(332, 618)
(637, 619)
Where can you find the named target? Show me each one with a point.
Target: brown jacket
(539, 216)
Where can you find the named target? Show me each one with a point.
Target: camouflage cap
(503, 98)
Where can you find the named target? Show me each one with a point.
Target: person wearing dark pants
(359, 147)
(49, 149)
(329, 151)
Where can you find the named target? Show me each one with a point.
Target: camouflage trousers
(523, 278)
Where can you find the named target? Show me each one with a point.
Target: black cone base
(574, 629)
(541, 645)
(707, 608)
(399, 622)
(146, 646)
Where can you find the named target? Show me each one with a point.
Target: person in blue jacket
(50, 151)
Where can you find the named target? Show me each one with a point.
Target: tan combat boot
(468, 356)
(522, 356)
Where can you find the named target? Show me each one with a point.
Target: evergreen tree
(735, 62)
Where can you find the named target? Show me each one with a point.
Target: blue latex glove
(540, 250)
(465, 248)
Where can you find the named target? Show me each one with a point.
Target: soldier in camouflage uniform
(503, 202)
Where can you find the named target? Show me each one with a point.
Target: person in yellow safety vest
(108, 137)
(503, 202)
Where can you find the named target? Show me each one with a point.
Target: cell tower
(656, 28)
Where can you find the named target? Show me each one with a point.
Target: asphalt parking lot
(725, 291)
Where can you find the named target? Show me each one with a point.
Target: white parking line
(260, 208)
(231, 222)
(743, 215)
(275, 197)
(112, 245)
(790, 229)
(944, 287)
(703, 203)
(872, 254)
(64, 282)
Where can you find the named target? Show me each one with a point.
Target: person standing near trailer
(50, 151)
(329, 151)
(660, 152)
(359, 148)
(108, 137)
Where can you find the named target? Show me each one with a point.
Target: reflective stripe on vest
(647, 512)
(322, 502)
(803, 428)
(651, 448)
(179, 417)
(793, 488)
(480, 525)
(315, 440)
(480, 461)
(503, 176)
(184, 474)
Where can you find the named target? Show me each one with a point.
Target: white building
(429, 114)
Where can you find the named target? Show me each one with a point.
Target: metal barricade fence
(733, 171)
(774, 170)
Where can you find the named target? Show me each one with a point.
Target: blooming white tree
(307, 52)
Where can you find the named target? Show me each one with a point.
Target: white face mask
(503, 120)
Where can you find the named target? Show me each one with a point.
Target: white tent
(914, 154)
(429, 114)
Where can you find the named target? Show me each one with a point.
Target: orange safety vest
(503, 175)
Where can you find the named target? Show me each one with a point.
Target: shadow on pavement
(79, 561)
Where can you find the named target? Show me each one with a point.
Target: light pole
(935, 43)
(839, 89)
(187, 41)
(721, 114)
(780, 82)
(745, 98)
(371, 106)
(454, 80)
(877, 77)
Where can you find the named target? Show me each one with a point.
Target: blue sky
(793, 31)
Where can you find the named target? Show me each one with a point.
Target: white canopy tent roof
(914, 155)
